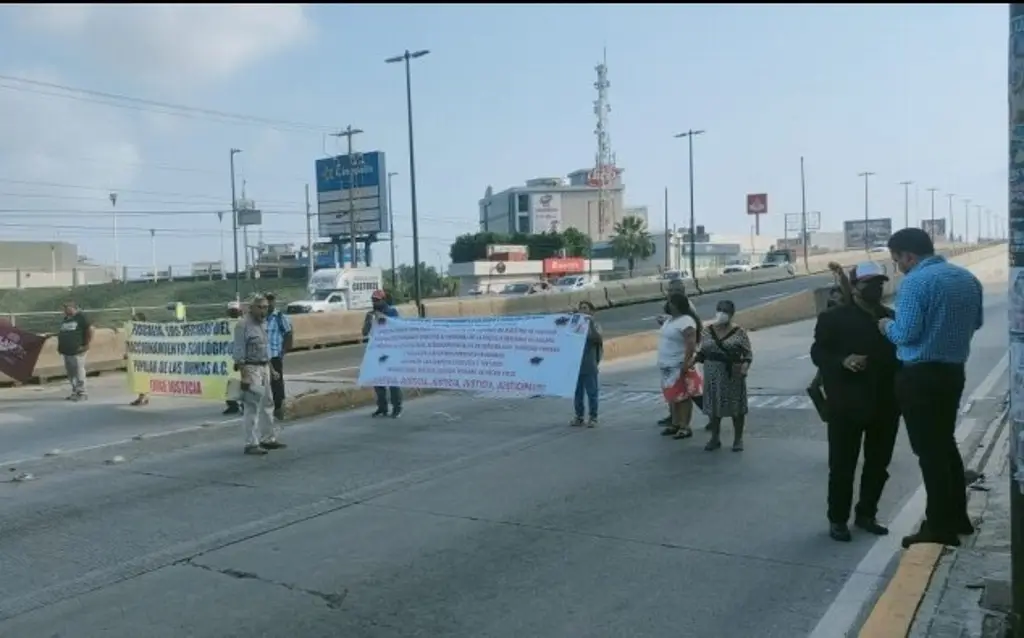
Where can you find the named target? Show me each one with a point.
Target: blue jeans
(586, 384)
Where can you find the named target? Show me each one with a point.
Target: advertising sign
(536, 355)
(547, 212)
(19, 351)
(361, 177)
(190, 359)
(936, 229)
(563, 265)
(757, 204)
(878, 232)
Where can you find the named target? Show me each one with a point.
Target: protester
(143, 398)
(233, 405)
(73, 342)
(279, 333)
(858, 369)
(938, 309)
(726, 354)
(381, 310)
(677, 351)
(250, 354)
(674, 285)
(588, 383)
(841, 292)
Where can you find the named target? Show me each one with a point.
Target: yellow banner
(188, 359)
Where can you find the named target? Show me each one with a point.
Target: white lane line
(320, 373)
(860, 588)
(775, 296)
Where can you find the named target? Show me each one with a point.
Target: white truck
(334, 289)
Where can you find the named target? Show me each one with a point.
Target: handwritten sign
(504, 356)
(190, 359)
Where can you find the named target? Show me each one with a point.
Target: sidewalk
(969, 592)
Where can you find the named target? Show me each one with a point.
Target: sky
(908, 92)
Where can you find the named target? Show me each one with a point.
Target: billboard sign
(358, 184)
(757, 204)
(795, 222)
(876, 232)
(547, 212)
(936, 228)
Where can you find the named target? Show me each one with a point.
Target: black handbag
(817, 393)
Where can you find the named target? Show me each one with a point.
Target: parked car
(571, 283)
(731, 268)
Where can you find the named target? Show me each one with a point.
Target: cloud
(55, 140)
(174, 45)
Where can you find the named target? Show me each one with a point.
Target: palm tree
(632, 241)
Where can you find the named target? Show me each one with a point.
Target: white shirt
(671, 345)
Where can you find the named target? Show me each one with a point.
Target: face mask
(722, 318)
(871, 293)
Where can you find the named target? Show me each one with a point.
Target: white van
(333, 289)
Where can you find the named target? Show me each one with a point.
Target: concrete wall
(38, 255)
(27, 278)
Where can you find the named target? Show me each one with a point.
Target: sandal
(683, 433)
(140, 401)
(669, 431)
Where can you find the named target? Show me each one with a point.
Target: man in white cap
(858, 369)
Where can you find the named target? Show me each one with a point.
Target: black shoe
(840, 532)
(231, 410)
(254, 450)
(965, 528)
(379, 412)
(272, 445)
(925, 535)
(396, 413)
(871, 526)
(667, 421)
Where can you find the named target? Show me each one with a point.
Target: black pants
(846, 437)
(382, 398)
(929, 396)
(277, 385)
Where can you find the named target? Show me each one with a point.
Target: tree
(632, 241)
(432, 284)
(576, 244)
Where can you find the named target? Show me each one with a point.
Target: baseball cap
(378, 295)
(868, 270)
(234, 305)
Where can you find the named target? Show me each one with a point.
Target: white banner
(536, 355)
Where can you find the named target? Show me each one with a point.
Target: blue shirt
(938, 309)
(278, 325)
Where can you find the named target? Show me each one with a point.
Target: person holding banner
(233, 405)
(251, 360)
(380, 311)
(677, 356)
(587, 384)
(143, 398)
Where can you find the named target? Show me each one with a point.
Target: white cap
(234, 305)
(868, 269)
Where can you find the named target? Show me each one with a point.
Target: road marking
(320, 373)
(775, 296)
(841, 616)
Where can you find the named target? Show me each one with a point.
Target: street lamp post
(152, 250)
(391, 229)
(117, 252)
(689, 135)
(977, 210)
(867, 236)
(967, 221)
(948, 230)
(406, 57)
(906, 202)
(234, 220)
(931, 231)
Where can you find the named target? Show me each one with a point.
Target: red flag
(19, 351)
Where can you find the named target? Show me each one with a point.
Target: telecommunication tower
(604, 172)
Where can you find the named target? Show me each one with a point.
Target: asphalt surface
(469, 517)
(345, 360)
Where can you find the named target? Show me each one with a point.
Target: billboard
(757, 204)
(547, 212)
(357, 183)
(935, 228)
(877, 232)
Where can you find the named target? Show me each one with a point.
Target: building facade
(38, 255)
(555, 204)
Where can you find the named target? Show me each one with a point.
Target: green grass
(110, 305)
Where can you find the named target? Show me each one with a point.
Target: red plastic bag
(678, 386)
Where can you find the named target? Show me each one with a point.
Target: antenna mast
(604, 173)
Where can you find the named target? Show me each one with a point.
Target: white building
(492, 276)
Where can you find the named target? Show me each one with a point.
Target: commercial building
(45, 264)
(491, 276)
(554, 204)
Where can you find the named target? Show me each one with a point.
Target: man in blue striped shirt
(938, 310)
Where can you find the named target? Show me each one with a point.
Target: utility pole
(234, 220)
(152, 249)
(668, 244)
(391, 230)
(906, 202)
(931, 232)
(803, 212)
(967, 221)
(689, 135)
(867, 236)
(950, 196)
(407, 56)
(309, 240)
(977, 210)
(353, 172)
(117, 252)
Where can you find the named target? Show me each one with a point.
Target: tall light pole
(803, 212)
(931, 232)
(117, 252)
(977, 210)
(152, 250)
(391, 227)
(689, 135)
(406, 57)
(668, 245)
(353, 163)
(967, 221)
(948, 231)
(310, 263)
(234, 220)
(867, 237)
(906, 202)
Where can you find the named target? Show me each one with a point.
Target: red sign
(563, 265)
(19, 351)
(757, 204)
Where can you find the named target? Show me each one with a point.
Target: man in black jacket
(858, 369)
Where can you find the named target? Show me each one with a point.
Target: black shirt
(72, 335)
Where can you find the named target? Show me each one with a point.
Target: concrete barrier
(337, 328)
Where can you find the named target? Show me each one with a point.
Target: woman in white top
(677, 350)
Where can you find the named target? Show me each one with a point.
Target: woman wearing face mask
(677, 355)
(726, 354)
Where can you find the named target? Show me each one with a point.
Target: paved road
(469, 517)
